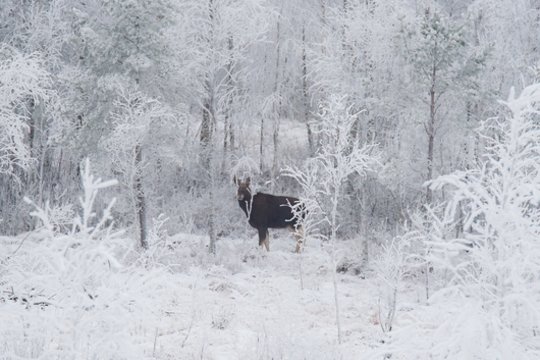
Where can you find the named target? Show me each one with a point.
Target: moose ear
(234, 180)
(248, 181)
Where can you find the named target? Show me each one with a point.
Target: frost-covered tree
(22, 77)
(338, 157)
(138, 122)
(490, 269)
(437, 50)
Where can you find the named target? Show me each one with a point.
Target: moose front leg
(264, 238)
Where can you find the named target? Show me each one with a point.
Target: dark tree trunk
(140, 201)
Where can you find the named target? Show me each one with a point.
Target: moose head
(244, 191)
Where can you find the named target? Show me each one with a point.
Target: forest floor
(272, 305)
(267, 310)
(245, 303)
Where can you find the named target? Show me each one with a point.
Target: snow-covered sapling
(324, 176)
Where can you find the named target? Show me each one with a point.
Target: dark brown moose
(266, 211)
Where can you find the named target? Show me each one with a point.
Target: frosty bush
(390, 267)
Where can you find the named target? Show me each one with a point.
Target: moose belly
(279, 219)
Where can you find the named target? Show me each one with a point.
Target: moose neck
(245, 205)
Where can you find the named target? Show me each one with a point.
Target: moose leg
(267, 241)
(264, 238)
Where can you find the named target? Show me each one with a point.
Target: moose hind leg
(264, 238)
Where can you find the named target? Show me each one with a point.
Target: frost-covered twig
(91, 186)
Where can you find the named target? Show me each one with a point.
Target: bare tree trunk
(275, 138)
(364, 227)
(277, 92)
(207, 110)
(305, 93)
(206, 124)
(32, 127)
(140, 201)
(261, 146)
(334, 225)
(228, 138)
(211, 217)
(344, 13)
(228, 129)
(323, 11)
(430, 130)
(207, 149)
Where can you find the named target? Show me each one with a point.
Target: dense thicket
(172, 97)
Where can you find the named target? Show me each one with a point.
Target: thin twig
(21, 243)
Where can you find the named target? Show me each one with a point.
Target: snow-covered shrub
(489, 307)
(390, 267)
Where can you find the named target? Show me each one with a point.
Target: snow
(244, 304)
(257, 309)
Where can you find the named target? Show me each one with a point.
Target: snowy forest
(404, 133)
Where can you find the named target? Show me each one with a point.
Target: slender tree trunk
(212, 216)
(333, 220)
(364, 226)
(228, 138)
(277, 110)
(344, 27)
(275, 138)
(32, 127)
(261, 146)
(228, 129)
(430, 130)
(305, 93)
(206, 124)
(207, 109)
(207, 149)
(140, 201)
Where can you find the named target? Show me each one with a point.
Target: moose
(266, 211)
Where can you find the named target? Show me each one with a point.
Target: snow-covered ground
(71, 297)
(176, 302)
(257, 309)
